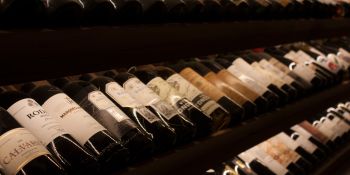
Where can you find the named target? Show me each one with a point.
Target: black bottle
(100, 11)
(33, 158)
(184, 128)
(220, 116)
(64, 12)
(290, 91)
(194, 77)
(67, 151)
(134, 87)
(296, 81)
(163, 135)
(85, 129)
(167, 93)
(272, 98)
(228, 78)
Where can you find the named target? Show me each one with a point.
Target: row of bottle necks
(102, 121)
(58, 12)
(297, 150)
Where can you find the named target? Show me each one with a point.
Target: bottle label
(238, 85)
(289, 142)
(141, 92)
(118, 94)
(242, 66)
(268, 66)
(189, 91)
(165, 109)
(268, 161)
(276, 150)
(164, 90)
(202, 84)
(268, 75)
(304, 72)
(301, 131)
(346, 115)
(73, 118)
(98, 99)
(248, 81)
(35, 118)
(17, 148)
(228, 90)
(148, 115)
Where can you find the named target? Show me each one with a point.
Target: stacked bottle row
(99, 122)
(296, 150)
(92, 12)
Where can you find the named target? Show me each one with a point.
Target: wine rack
(196, 157)
(33, 54)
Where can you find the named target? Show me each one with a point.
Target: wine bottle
(302, 70)
(129, 11)
(271, 70)
(286, 157)
(271, 97)
(293, 80)
(236, 9)
(21, 152)
(290, 91)
(315, 136)
(49, 131)
(210, 90)
(146, 96)
(234, 82)
(172, 96)
(154, 10)
(240, 65)
(184, 128)
(81, 125)
(306, 160)
(261, 162)
(220, 116)
(302, 139)
(302, 58)
(320, 132)
(98, 105)
(248, 106)
(285, 69)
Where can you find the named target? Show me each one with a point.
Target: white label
(141, 92)
(248, 81)
(103, 103)
(304, 72)
(147, 114)
(165, 109)
(73, 118)
(268, 66)
(17, 148)
(189, 91)
(287, 140)
(164, 90)
(147, 97)
(118, 94)
(184, 87)
(268, 75)
(34, 117)
(325, 130)
(246, 157)
(268, 161)
(242, 66)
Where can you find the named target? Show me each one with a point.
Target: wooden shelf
(201, 155)
(29, 55)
